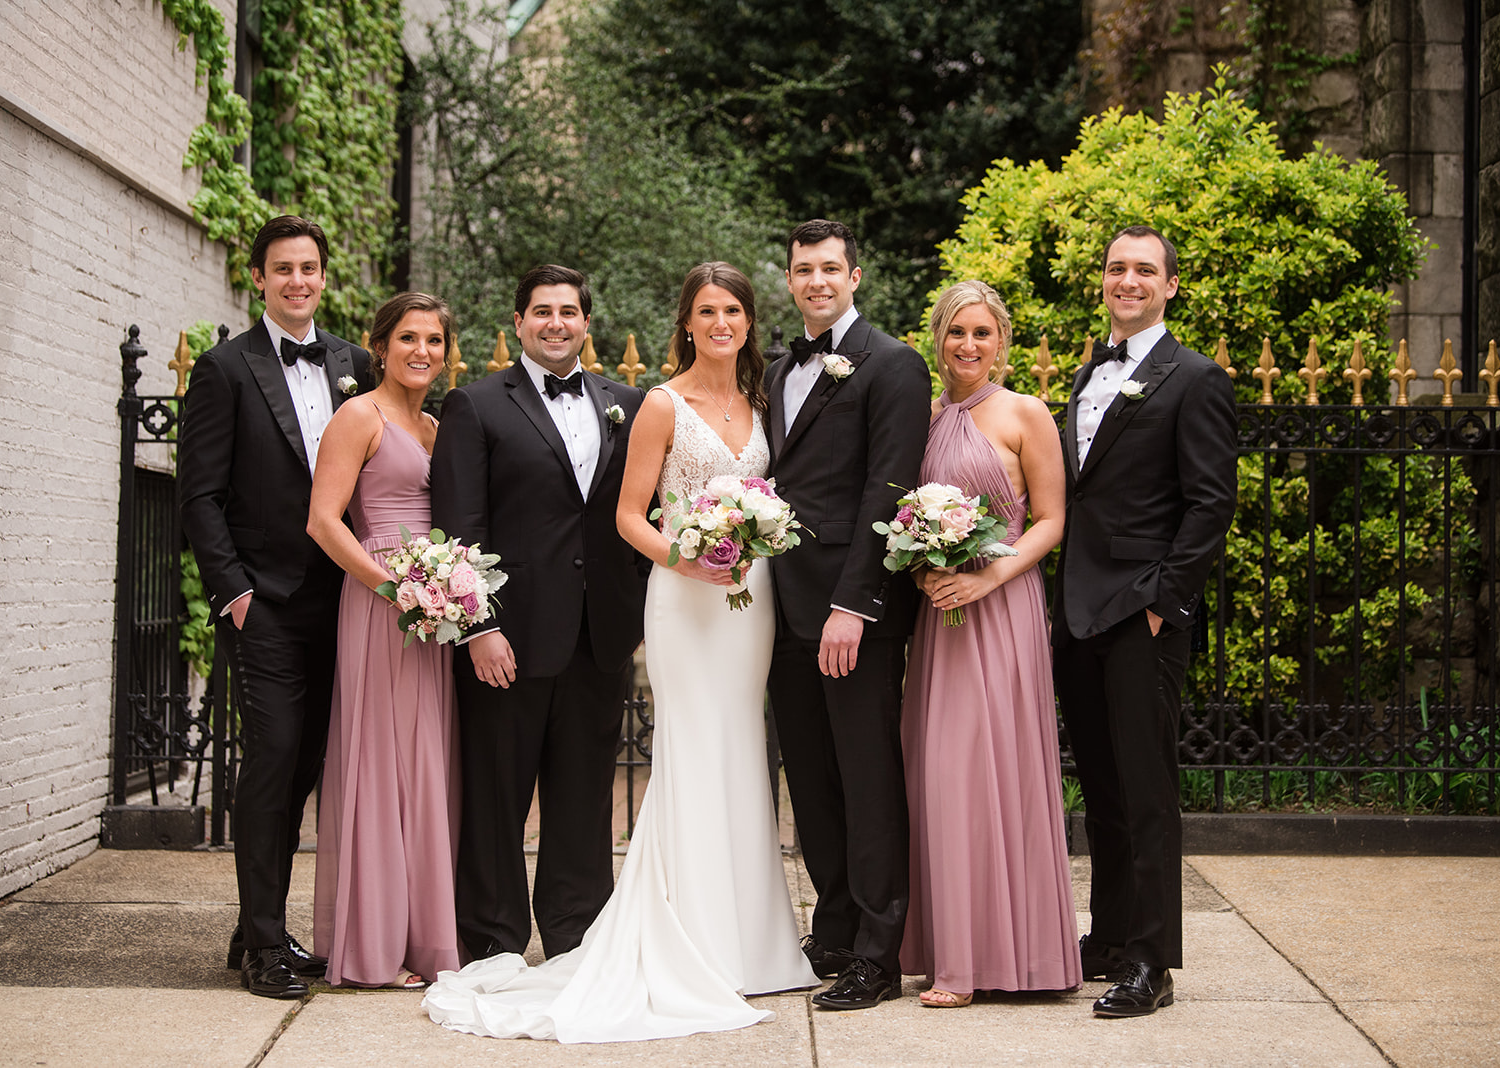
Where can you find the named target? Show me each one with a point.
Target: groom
(251, 423)
(846, 431)
(528, 464)
(1151, 476)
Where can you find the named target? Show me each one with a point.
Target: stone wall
(1413, 84)
(1487, 227)
(96, 105)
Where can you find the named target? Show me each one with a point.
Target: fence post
(129, 407)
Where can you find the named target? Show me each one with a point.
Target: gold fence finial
(669, 368)
(1266, 370)
(631, 366)
(1490, 375)
(182, 361)
(456, 366)
(501, 358)
(1448, 373)
(1221, 357)
(1044, 369)
(1402, 373)
(364, 341)
(1312, 371)
(589, 358)
(1357, 372)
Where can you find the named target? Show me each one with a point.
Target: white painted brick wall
(110, 71)
(82, 256)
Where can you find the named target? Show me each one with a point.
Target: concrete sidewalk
(1291, 961)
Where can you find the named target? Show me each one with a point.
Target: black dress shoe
(862, 985)
(826, 963)
(307, 964)
(1100, 961)
(268, 973)
(1140, 991)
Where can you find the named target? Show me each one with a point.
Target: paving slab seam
(812, 1030)
(1376, 1046)
(286, 1021)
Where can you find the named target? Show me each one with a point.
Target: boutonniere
(837, 366)
(1133, 389)
(348, 386)
(615, 414)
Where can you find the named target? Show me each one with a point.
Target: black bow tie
(572, 384)
(313, 351)
(1104, 353)
(804, 350)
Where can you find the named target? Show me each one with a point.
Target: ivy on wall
(322, 122)
(324, 130)
(226, 202)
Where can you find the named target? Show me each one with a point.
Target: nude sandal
(945, 999)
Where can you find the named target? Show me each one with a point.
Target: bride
(700, 916)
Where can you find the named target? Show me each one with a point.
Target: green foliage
(195, 639)
(225, 202)
(546, 162)
(324, 110)
(1290, 249)
(878, 113)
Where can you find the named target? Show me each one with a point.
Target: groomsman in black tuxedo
(251, 423)
(528, 464)
(1151, 450)
(845, 432)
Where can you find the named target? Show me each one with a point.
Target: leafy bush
(1295, 250)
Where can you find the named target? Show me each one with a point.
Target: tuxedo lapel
(1152, 372)
(338, 363)
(265, 366)
(775, 403)
(854, 348)
(525, 397)
(601, 400)
(1070, 425)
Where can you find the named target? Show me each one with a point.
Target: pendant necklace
(722, 407)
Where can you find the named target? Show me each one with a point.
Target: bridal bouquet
(732, 522)
(442, 586)
(938, 525)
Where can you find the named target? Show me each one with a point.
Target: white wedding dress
(700, 915)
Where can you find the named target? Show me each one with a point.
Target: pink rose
(406, 596)
(760, 484)
(470, 603)
(722, 556)
(704, 503)
(960, 520)
(904, 516)
(431, 598)
(735, 517)
(462, 580)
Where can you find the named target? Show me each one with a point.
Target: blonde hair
(955, 299)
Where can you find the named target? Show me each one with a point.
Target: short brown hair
(389, 316)
(550, 274)
(287, 226)
(815, 231)
(1169, 251)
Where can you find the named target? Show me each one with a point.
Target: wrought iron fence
(1354, 647)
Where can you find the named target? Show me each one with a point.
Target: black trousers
(841, 747)
(1121, 697)
(556, 737)
(282, 669)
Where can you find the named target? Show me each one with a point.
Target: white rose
(452, 612)
(932, 497)
(762, 507)
(402, 567)
(688, 542)
(724, 486)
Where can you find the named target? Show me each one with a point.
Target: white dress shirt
(1104, 383)
(575, 419)
(799, 380)
(310, 394)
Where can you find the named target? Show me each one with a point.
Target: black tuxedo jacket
(501, 477)
(1149, 508)
(243, 483)
(856, 445)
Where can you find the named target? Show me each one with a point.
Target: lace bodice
(698, 454)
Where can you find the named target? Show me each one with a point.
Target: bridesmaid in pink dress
(991, 895)
(388, 821)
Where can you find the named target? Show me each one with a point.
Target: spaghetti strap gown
(388, 817)
(991, 890)
(700, 915)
